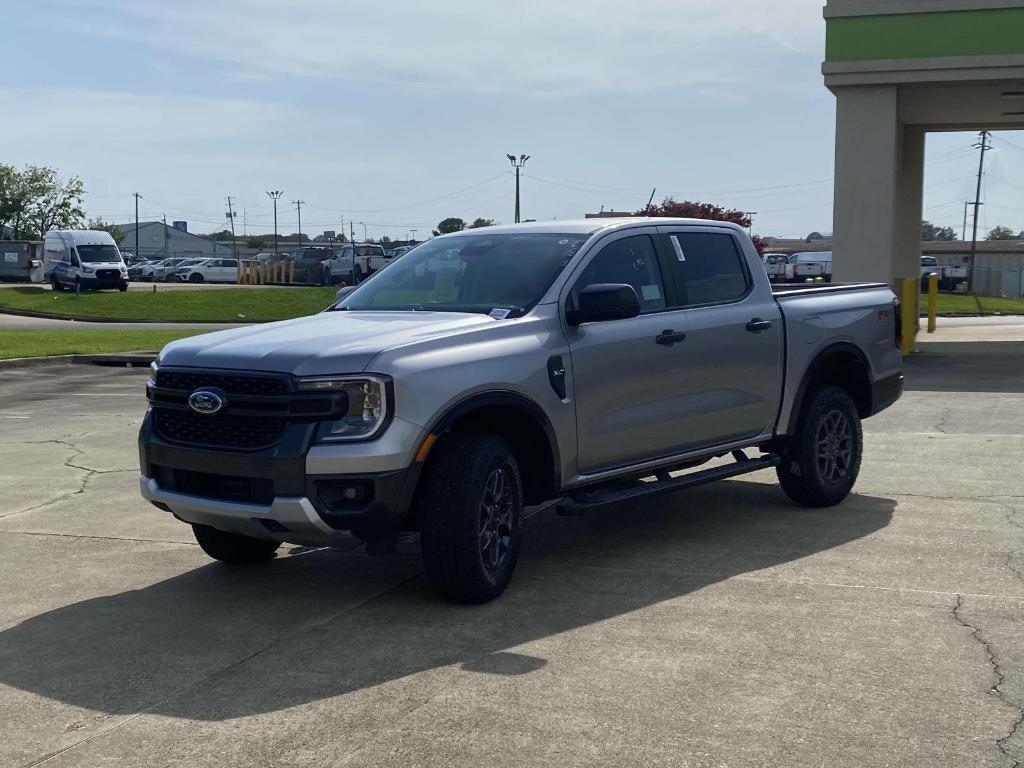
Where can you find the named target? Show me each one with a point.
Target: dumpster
(21, 261)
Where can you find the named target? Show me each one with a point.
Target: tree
(449, 225)
(931, 232)
(113, 230)
(256, 242)
(34, 201)
(222, 235)
(385, 240)
(297, 237)
(481, 222)
(1001, 233)
(686, 209)
(814, 237)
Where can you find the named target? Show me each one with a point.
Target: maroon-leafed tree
(686, 209)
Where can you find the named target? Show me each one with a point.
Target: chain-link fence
(1006, 283)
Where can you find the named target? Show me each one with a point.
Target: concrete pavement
(719, 627)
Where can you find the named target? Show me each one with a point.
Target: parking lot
(719, 627)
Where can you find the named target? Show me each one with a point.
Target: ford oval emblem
(206, 402)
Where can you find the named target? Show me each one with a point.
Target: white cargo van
(83, 259)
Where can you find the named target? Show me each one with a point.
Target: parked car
(354, 263)
(209, 271)
(83, 260)
(309, 263)
(172, 267)
(520, 366)
(775, 265)
(810, 264)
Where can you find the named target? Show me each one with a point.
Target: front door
(625, 372)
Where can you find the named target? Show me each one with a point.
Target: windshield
(469, 274)
(91, 254)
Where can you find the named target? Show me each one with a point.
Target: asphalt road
(719, 627)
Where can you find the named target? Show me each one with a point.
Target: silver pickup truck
(492, 372)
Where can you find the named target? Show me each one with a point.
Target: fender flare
(814, 367)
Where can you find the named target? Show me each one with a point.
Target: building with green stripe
(899, 69)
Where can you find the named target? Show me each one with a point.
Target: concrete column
(878, 187)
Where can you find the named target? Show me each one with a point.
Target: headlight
(88, 270)
(367, 413)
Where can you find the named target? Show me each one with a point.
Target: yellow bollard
(908, 313)
(933, 301)
(291, 272)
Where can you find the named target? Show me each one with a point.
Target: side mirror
(343, 292)
(604, 301)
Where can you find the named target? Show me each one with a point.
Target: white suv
(210, 271)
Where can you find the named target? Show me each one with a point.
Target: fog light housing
(341, 495)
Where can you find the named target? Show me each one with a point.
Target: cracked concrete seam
(943, 421)
(996, 689)
(68, 462)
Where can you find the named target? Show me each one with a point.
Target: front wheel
(472, 504)
(195, 277)
(233, 547)
(821, 463)
(55, 283)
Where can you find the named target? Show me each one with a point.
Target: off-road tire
(459, 553)
(233, 547)
(821, 461)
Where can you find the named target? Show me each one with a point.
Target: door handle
(670, 337)
(757, 325)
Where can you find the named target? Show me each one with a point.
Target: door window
(712, 267)
(633, 261)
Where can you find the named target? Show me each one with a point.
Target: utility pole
(298, 207)
(750, 215)
(984, 147)
(365, 237)
(165, 240)
(517, 164)
(245, 223)
(275, 195)
(138, 252)
(647, 208)
(963, 232)
(231, 217)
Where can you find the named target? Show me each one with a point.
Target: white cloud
(530, 46)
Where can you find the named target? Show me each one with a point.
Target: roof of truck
(590, 226)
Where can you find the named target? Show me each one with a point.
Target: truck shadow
(966, 366)
(219, 642)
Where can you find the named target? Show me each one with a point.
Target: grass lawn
(37, 343)
(955, 302)
(227, 305)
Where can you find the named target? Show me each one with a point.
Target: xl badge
(206, 402)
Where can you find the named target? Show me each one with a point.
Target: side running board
(595, 499)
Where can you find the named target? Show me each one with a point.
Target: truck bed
(792, 289)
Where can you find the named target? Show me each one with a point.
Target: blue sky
(399, 114)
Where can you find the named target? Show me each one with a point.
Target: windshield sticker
(651, 292)
(499, 314)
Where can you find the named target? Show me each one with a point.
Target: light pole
(275, 195)
(750, 215)
(414, 231)
(365, 238)
(517, 164)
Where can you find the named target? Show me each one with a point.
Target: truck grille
(258, 408)
(238, 432)
(231, 383)
(108, 274)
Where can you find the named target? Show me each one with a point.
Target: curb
(118, 321)
(121, 360)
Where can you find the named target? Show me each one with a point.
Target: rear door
(732, 376)
(628, 404)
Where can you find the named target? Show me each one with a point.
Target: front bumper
(98, 283)
(270, 494)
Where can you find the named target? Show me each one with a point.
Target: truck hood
(327, 343)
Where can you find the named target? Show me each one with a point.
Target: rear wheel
(472, 503)
(233, 547)
(821, 463)
(325, 277)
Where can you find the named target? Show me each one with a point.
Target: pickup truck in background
(950, 277)
(775, 266)
(810, 264)
(354, 263)
(490, 373)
